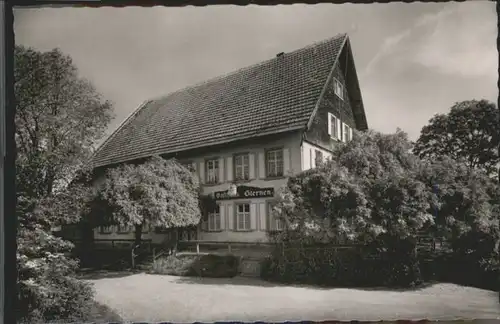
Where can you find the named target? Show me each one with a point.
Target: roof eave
(117, 130)
(144, 155)
(355, 90)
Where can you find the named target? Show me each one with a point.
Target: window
(274, 162)
(338, 88)
(347, 133)
(318, 157)
(106, 229)
(123, 229)
(242, 217)
(145, 228)
(275, 224)
(241, 167)
(334, 125)
(212, 171)
(214, 219)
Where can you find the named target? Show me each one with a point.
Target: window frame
(338, 88)
(216, 170)
(346, 131)
(334, 131)
(243, 156)
(267, 161)
(318, 157)
(243, 214)
(217, 221)
(272, 220)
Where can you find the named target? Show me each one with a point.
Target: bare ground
(156, 298)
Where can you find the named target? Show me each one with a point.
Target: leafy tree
(375, 191)
(369, 187)
(59, 117)
(470, 131)
(158, 193)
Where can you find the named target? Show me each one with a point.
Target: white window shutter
(222, 211)
(262, 165)
(251, 165)
(343, 137)
(350, 133)
(253, 216)
(202, 172)
(230, 217)
(286, 161)
(339, 129)
(195, 167)
(229, 168)
(311, 159)
(221, 170)
(262, 216)
(329, 116)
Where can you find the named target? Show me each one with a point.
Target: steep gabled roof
(274, 96)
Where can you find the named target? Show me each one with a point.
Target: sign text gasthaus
(246, 192)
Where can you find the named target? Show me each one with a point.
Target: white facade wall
(258, 206)
(309, 155)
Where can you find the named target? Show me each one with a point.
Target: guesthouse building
(244, 133)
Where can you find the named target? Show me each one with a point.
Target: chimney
(280, 54)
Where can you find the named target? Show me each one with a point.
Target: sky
(413, 59)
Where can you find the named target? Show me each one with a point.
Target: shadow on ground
(104, 274)
(257, 282)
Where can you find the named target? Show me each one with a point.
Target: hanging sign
(245, 192)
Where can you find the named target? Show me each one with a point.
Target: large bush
(48, 289)
(192, 265)
(376, 193)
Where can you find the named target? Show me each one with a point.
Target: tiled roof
(270, 97)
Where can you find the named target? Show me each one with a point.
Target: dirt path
(154, 298)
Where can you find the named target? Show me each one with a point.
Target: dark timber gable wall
(318, 133)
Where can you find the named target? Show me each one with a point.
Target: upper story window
(243, 217)
(212, 171)
(145, 228)
(347, 133)
(241, 167)
(333, 126)
(214, 219)
(338, 88)
(274, 163)
(318, 157)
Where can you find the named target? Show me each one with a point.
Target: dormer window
(338, 88)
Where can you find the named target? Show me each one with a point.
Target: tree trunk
(137, 235)
(175, 240)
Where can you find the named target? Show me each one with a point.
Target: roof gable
(274, 96)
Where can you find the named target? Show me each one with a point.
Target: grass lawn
(153, 298)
